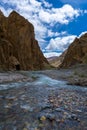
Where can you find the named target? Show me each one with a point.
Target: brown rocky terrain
(56, 61)
(18, 47)
(76, 53)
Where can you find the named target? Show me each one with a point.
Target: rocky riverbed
(41, 100)
(76, 75)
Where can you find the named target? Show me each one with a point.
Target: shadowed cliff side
(76, 53)
(18, 47)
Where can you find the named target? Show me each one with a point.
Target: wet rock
(45, 106)
(66, 113)
(59, 110)
(22, 97)
(73, 117)
(26, 108)
(48, 116)
(10, 98)
(79, 111)
(9, 105)
(2, 97)
(51, 117)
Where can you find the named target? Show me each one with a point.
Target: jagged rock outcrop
(76, 53)
(18, 47)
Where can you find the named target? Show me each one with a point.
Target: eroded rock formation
(76, 53)
(18, 47)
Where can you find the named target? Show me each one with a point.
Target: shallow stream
(42, 104)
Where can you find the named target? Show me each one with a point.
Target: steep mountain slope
(76, 53)
(18, 47)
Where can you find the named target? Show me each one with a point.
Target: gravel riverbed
(42, 100)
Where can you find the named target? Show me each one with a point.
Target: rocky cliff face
(18, 47)
(76, 53)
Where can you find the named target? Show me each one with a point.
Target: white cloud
(52, 34)
(56, 34)
(46, 4)
(51, 54)
(35, 3)
(60, 43)
(61, 15)
(82, 34)
(6, 12)
(43, 16)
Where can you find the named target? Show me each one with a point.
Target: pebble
(27, 107)
(43, 118)
(9, 105)
(45, 106)
(73, 117)
(66, 113)
(48, 116)
(78, 111)
(51, 117)
(2, 97)
(22, 97)
(11, 98)
(58, 110)
(25, 129)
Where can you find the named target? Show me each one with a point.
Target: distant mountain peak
(1, 13)
(14, 13)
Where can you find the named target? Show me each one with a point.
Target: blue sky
(56, 22)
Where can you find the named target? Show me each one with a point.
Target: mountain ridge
(74, 55)
(76, 52)
(18, 47)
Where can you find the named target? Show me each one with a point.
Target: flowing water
(40, 79)
(42, 104)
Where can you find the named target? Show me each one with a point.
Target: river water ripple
(42, 104)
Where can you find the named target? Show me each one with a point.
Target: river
(42, 104)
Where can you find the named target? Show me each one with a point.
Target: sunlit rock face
(76, 53)
(18, 47)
